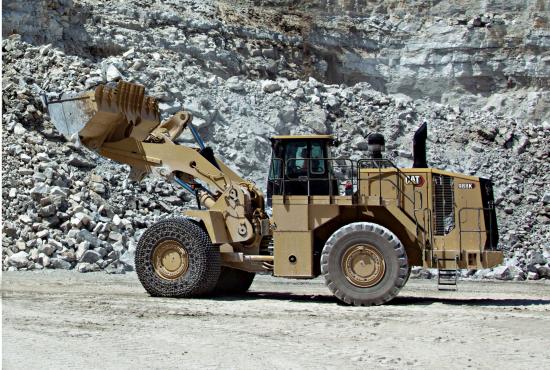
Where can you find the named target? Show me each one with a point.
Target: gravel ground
(62, 319)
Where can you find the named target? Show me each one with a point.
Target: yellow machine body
(443, 219)
(403, 200)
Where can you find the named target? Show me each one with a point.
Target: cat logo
(466, 186)
(415, 180)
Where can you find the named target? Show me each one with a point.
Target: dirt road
(54, 319)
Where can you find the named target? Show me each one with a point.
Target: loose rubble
(65, 207)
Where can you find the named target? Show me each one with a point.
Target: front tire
(364, 264)
(175, 258)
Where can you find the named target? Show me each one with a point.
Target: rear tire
(175, 258)
(233, 281)
(364, 264)
(408, 275)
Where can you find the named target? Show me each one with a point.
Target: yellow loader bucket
(112, 114)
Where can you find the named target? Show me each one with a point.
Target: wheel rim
(363, 265)
(170, 260)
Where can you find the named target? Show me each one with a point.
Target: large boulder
(90, 256)
(19, 259)
(508, 273)
(58, 263)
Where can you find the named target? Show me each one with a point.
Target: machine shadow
(398, 301)
(487, 302)
(281, 296)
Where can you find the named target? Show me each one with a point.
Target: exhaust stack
(419, 147)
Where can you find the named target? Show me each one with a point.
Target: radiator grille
(443, 200)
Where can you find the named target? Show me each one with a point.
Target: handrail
(329, 170)
(355, 178)
(421, 199)
(427, 221)
(400, 175)
(398, 171)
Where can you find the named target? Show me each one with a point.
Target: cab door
(300, 167)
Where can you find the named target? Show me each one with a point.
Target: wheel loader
(361, 224)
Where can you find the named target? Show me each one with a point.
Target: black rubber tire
(233, 281)
(385, 242)
(204, 259)
(408, 275)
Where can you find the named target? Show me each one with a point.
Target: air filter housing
(376, 145)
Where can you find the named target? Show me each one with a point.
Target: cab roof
(302, 137)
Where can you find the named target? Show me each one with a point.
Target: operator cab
(301, 165)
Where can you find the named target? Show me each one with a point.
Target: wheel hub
(170, 260)
(363, 265)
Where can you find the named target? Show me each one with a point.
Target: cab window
(277, 155)
(317, 163)
(296, 159)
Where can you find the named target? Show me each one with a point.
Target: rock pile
(58, 22)
(65, 207)
(467, 53)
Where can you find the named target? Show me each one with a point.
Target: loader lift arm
(123, 124)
